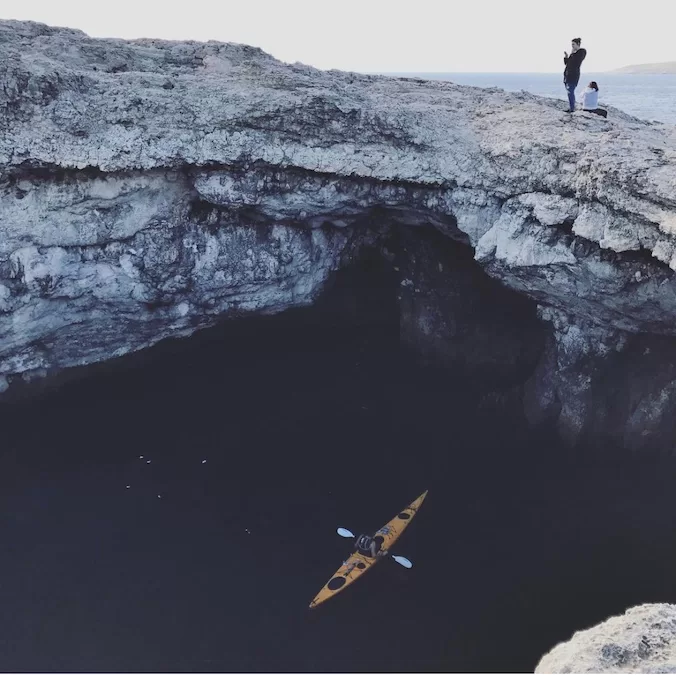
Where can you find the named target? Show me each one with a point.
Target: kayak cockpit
(369, 546)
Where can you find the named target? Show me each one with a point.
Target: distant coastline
(666, 68)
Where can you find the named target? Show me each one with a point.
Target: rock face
(453, 314)
(148, 188)
(643, 640)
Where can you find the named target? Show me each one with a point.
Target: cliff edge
(149, 188)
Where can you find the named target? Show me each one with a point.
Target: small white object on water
(148, 461)
(159, 496)
(140, 456)
(247, 530)
(128, 486)
(204, 461)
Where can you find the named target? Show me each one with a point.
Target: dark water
(307, 424)
(651, 97)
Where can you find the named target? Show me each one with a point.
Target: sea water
(651, 97)
(124, 551)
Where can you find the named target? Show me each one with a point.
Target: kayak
(359, 563)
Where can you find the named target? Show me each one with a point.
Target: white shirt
(590, 99)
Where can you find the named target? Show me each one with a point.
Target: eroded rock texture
(643, 640)
(148, 188)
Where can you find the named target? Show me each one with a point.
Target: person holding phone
(571, 73)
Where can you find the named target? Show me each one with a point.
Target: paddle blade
(402, 561)
(344, 533)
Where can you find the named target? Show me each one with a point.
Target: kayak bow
(358, 563)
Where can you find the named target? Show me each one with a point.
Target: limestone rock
(643, 640)
(149, 188)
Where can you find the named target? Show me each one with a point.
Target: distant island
(667, 68)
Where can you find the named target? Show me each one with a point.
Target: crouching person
(590, 100)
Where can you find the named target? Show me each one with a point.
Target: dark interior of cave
(123, 550)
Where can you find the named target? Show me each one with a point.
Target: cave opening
(177, 511)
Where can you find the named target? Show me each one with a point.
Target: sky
(388, 35)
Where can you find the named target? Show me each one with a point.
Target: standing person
(590, 100)
(571, 74)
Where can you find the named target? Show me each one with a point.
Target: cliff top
(75, 102)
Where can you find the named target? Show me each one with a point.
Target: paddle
(405, 562)
(402, 561)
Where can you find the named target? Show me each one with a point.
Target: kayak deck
(358, 563)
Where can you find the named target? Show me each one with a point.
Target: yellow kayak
(359, 563)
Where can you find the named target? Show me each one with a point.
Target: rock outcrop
(148, 188)
(643, 640)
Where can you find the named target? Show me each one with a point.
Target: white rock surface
(642, 640)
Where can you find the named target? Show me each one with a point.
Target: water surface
(306, 427)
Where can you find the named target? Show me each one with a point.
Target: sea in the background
(651, 97)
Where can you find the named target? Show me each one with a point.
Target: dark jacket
(573, 63)
(363, 542)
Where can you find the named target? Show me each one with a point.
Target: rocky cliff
(149, 188)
